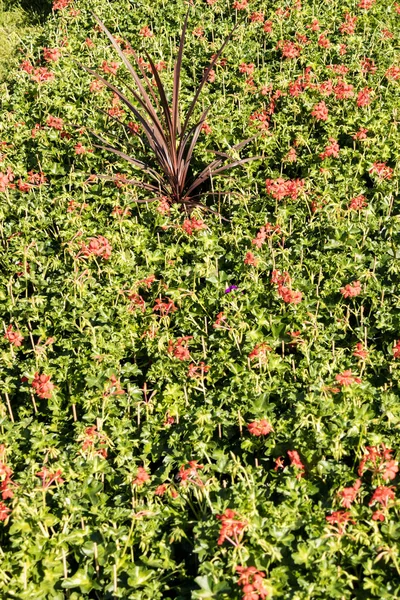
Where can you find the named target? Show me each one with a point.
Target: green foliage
(121, 380)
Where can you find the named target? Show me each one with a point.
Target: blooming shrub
(203, 404)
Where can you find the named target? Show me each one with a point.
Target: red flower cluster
(90, 439)
(114, 387)
(360, 351)
(382, 170)
(347, 378)
(289, 49)
(55, 122)
(379, 460)
(179, 348)
(198, 371)
(164, 307)
(97, 246)
(260, 351)
(51, 54)
(339, 518)
(349, 24)
(320, 111)
(193, 224)
(43, 386)
(14, 337)
(250, 259)
(382, 494)
(251, 581)
(110, 68)
(49, 477)
(189, 474)
(295, 461)
(280, 188)
(262, 427)
(351, 290)
(331, 150)
(266, 232)
(358, 203)
(349, 494)
(60, 4)
(141, 477)
(286, 293)
(6, 180)
(232, 527)
(364, 97)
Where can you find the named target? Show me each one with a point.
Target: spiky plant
(170, 137)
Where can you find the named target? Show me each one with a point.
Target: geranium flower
(232, 527)
(360, 352)
(351, 290)
(349, 24)
(295, 460)
(347, 378)
(141, 477)
(364, 97)
(262, 427)
(98, 246)
(358, 203)
(396, 349)
(51, 54)
(382, 170)
(190, 474)
(250, 259)
(320, 111)
(42, 385)
(339, 518)
(4, 511)
(349, 494)
(179, 348)
(14, 337)
(251, 581)
(382, 494)
(164, 307)
(49, 477)
(55, 122)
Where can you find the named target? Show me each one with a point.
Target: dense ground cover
(194, 407)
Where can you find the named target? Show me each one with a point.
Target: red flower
(320, 111)
(340, 518)
(295, 461)
(232, 527)
(360, 352)
(98, 246)
(111, 68)
(349, 24)
(280, 188)
(257, 17)
(331, 150)
(42, 74)
(146, 32)
(179, 348)
(250, 259)
(365, 4)
(361, 134)
(206, 128)
(247, 69)
(262, 427)
(268, 25)
(161, 489)
(351, 290)
(4, 511)
(43, 386)
(220, 321)
(48, 477)
(396, 349)
(349, 494)
(393, 72)
(60, 4)
(198, 371)
(382, 494)
(378, 515)
(323, 41)
(251, 581)
(96, 85)
(164, 307)
(260, 351)
(289, 49)
(51, 54)
(80, 149)
(240, 4)
(193, 224)
(358, 203)
(343, 90)
(382, 170)
(55, 122)
(14, 337)
(391, 469)
(141, 477)
(190, 474)
(364, 97)
(346, 378)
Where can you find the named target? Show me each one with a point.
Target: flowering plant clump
(200, 366)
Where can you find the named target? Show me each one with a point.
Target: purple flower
(231, 288)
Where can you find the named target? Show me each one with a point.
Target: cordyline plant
(170, 138)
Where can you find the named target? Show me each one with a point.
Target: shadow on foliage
(37, 10)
